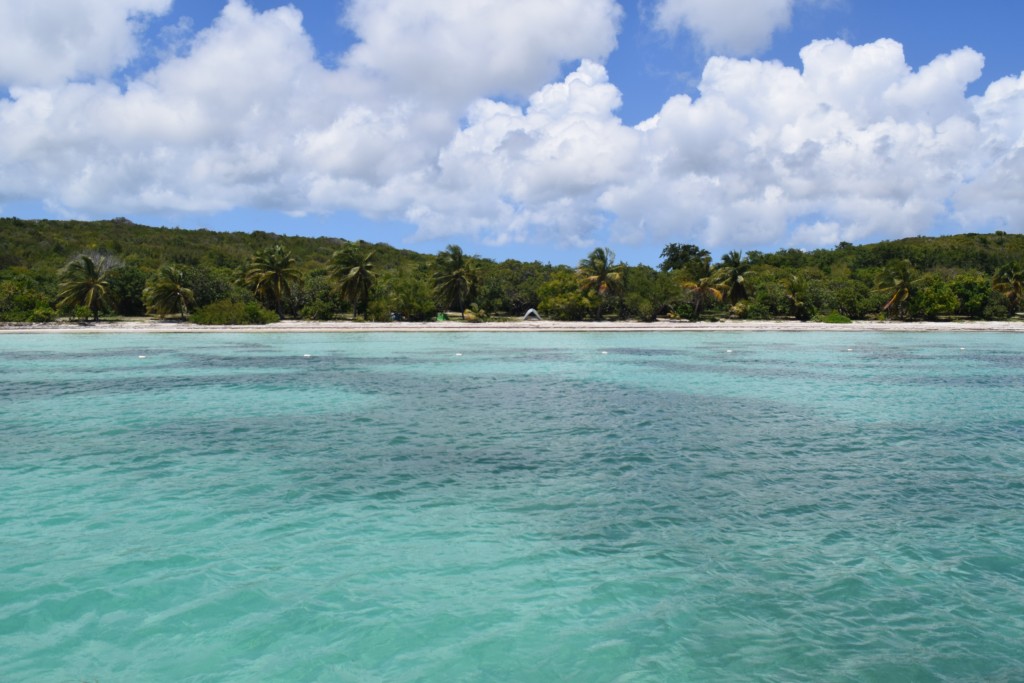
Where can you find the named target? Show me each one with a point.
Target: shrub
(43, 314)
(234, 313)
(317, 310)
(378, 311)
(833, 318)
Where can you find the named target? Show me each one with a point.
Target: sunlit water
(512, 507)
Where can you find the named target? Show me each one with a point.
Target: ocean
(665, 506)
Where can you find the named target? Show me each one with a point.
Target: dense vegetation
(51, 269)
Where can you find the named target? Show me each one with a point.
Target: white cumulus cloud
(737, 27)
(45, 43)
(854, 145)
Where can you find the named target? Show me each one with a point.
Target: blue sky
(529, 130)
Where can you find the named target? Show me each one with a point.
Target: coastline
(148, 326)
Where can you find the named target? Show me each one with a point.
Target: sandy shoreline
(176, 327)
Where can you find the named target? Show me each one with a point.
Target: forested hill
(72, 268)
(47, 245)
(983, 252)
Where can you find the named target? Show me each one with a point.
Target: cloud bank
(458, 122)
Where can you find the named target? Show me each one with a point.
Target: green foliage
(730, 276)
(850, 298)
(234, 313)
(85, 283)
(934, 298)
(703, 290)
(832, 318)
(897, 283)
(270, 275)
(456, 278)
(80, 312)
(681, 258)
(648, 293)
(407, 295)
(1008, 280)
(127, 283)
(854, 281)
(600, 278)
(317, 297)
(355, 276)
(562, 299)
(212, 283)
(168, 294)
(42, 314)
(378, 312)
(972, 292)
(511, 287)
(20, 297)
(317, 310)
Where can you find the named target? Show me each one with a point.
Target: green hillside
(969, 275)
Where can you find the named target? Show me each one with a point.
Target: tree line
(57, 269)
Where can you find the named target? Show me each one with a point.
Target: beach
(142, 325)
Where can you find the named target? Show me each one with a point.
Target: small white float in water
(306, 355)
(141, 356)
(604, 353)
(458, 354)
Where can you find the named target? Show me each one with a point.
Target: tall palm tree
(703, 288)
(356, 278)
(598, 273)
(84, 282)
(270, 274)
(897, 282)
(169, 293)
(1009, 281)
(731, 276)
(795, 288)
(456, 278)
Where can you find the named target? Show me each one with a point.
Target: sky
(534, 130)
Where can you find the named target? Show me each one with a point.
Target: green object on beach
(708, 506)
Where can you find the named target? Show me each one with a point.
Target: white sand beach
(148, 325)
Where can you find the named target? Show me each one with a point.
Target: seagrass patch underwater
(737, 506)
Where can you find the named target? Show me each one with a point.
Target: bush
(234, 313)
(43, 314)
(317, 310)
(832, 318)
(378, 311)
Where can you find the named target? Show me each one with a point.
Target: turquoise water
(543, 507)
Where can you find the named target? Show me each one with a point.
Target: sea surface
(734, 506)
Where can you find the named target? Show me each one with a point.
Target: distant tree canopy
(88, 269)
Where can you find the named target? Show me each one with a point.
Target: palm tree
(169, 294)
(355, 276)
(84, 282)
(270, 274)
(896, 282)
(1009, 281)
(796, 293)
(731, 273)
(704, 288)
(599, 273)
(455, 278)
